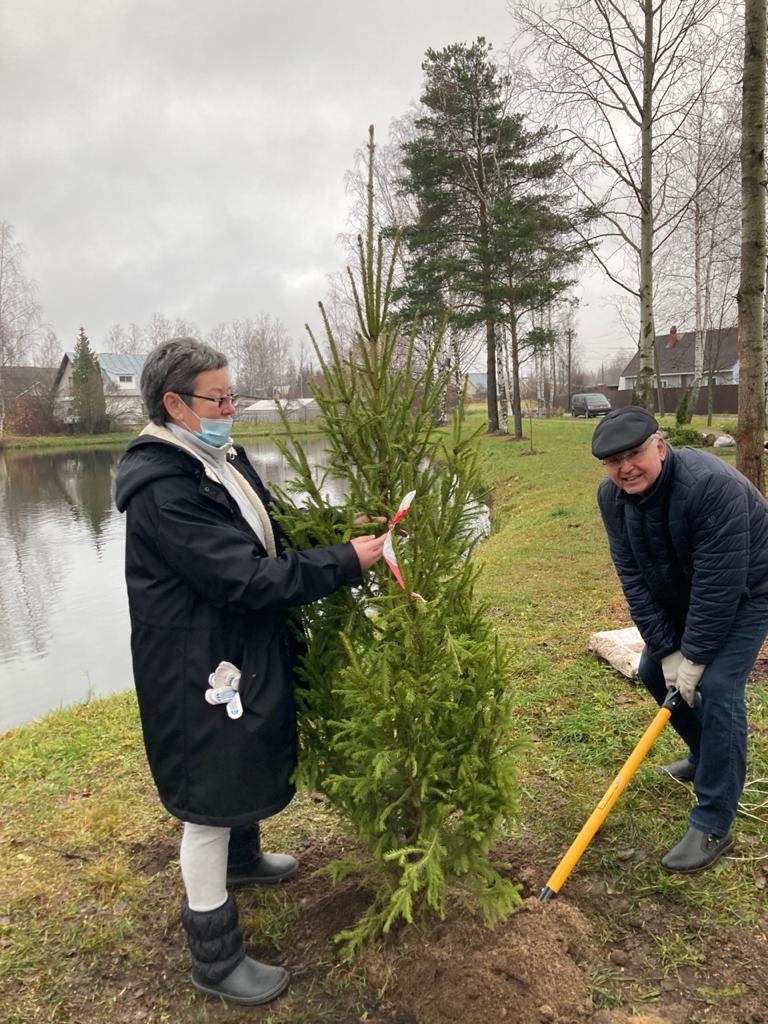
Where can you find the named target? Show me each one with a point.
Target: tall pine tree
(88, 405)
(405, 719)
(489, 241)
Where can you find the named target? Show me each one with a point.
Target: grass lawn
(89, 879)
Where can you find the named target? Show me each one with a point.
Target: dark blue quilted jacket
(688, 552)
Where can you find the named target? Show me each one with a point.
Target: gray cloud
(188, 156)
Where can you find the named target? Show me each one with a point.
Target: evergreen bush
(406, 723)
(679, 436)
(684, 411)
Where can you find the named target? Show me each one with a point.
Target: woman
(210, 589)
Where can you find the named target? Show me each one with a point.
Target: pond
(64, 627)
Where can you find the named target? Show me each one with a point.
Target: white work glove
(669, 667)
(688, 677)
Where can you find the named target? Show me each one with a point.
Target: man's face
(637, 470)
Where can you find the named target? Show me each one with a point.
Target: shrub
(679, 436)
(684, 412)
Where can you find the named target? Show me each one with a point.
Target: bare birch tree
(750, 435)
(618, 74)
(696, 266)
(20, 312)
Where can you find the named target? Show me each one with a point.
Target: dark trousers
(716, 729)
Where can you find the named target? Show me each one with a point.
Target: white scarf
(218, 468)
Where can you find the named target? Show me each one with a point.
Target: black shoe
(264, 869)
(683, 771)
(250, 984)
(696, 851)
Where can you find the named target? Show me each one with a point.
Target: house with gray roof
(675, 359)
(120, 376)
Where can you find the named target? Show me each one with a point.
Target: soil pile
(525, 970)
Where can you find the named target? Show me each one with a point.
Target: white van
(589, 405)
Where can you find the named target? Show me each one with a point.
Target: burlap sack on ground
(619, 647)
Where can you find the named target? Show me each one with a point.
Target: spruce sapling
(406, 724)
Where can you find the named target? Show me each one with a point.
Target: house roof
(480, 381)
(110, 363)
(721, 352)
(115, 364)
(18, 380)
(271, 404)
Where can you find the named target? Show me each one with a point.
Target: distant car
(589, 405)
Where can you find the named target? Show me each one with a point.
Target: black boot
(247, 865)
(696, 851)
(683, 771)
(220, 966)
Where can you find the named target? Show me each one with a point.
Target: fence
(725, 399)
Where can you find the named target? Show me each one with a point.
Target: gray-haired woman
(210, 589)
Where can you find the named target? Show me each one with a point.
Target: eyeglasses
(221, 402)
(614, 461)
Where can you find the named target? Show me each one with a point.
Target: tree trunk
(492, 393)
(699, 304)
(517, 405)
(569, 340)
(750, 435)
(501, 386)
(490, 329)
(647, 328)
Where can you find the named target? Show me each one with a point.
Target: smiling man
(688, 536)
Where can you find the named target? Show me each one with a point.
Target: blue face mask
(215, 432)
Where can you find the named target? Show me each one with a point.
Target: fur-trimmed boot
(247, 865)
(220, 966)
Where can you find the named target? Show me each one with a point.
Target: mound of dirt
(525, 970)
(533, 968)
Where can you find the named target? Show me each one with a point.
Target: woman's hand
(368, 549)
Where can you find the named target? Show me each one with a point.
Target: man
(689, 539)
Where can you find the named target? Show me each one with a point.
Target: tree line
(614, 142)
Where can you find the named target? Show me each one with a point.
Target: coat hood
(147, 459)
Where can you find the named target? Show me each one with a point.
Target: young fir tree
(405, 719)
(88, 406)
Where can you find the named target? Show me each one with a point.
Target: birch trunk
(750, 435)
(647, 327)
(517, 405)
(501, 385)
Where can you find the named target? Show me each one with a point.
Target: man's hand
(368, 549)
(669, 667)
(688, 677)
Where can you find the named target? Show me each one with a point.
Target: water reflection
(64, 628)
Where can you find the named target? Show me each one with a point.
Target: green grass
(89, 881)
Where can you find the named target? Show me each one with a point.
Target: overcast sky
(188, 156)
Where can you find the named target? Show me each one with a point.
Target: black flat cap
(622, 430)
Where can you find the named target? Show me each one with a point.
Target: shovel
(611, 795)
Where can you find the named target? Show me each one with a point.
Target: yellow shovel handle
(600, 813)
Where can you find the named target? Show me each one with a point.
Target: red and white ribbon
(390, 556)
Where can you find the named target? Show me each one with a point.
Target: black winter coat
(688, 551)
(201, 590)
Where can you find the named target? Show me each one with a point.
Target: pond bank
(11, 442)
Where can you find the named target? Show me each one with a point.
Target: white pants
(203, 862)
